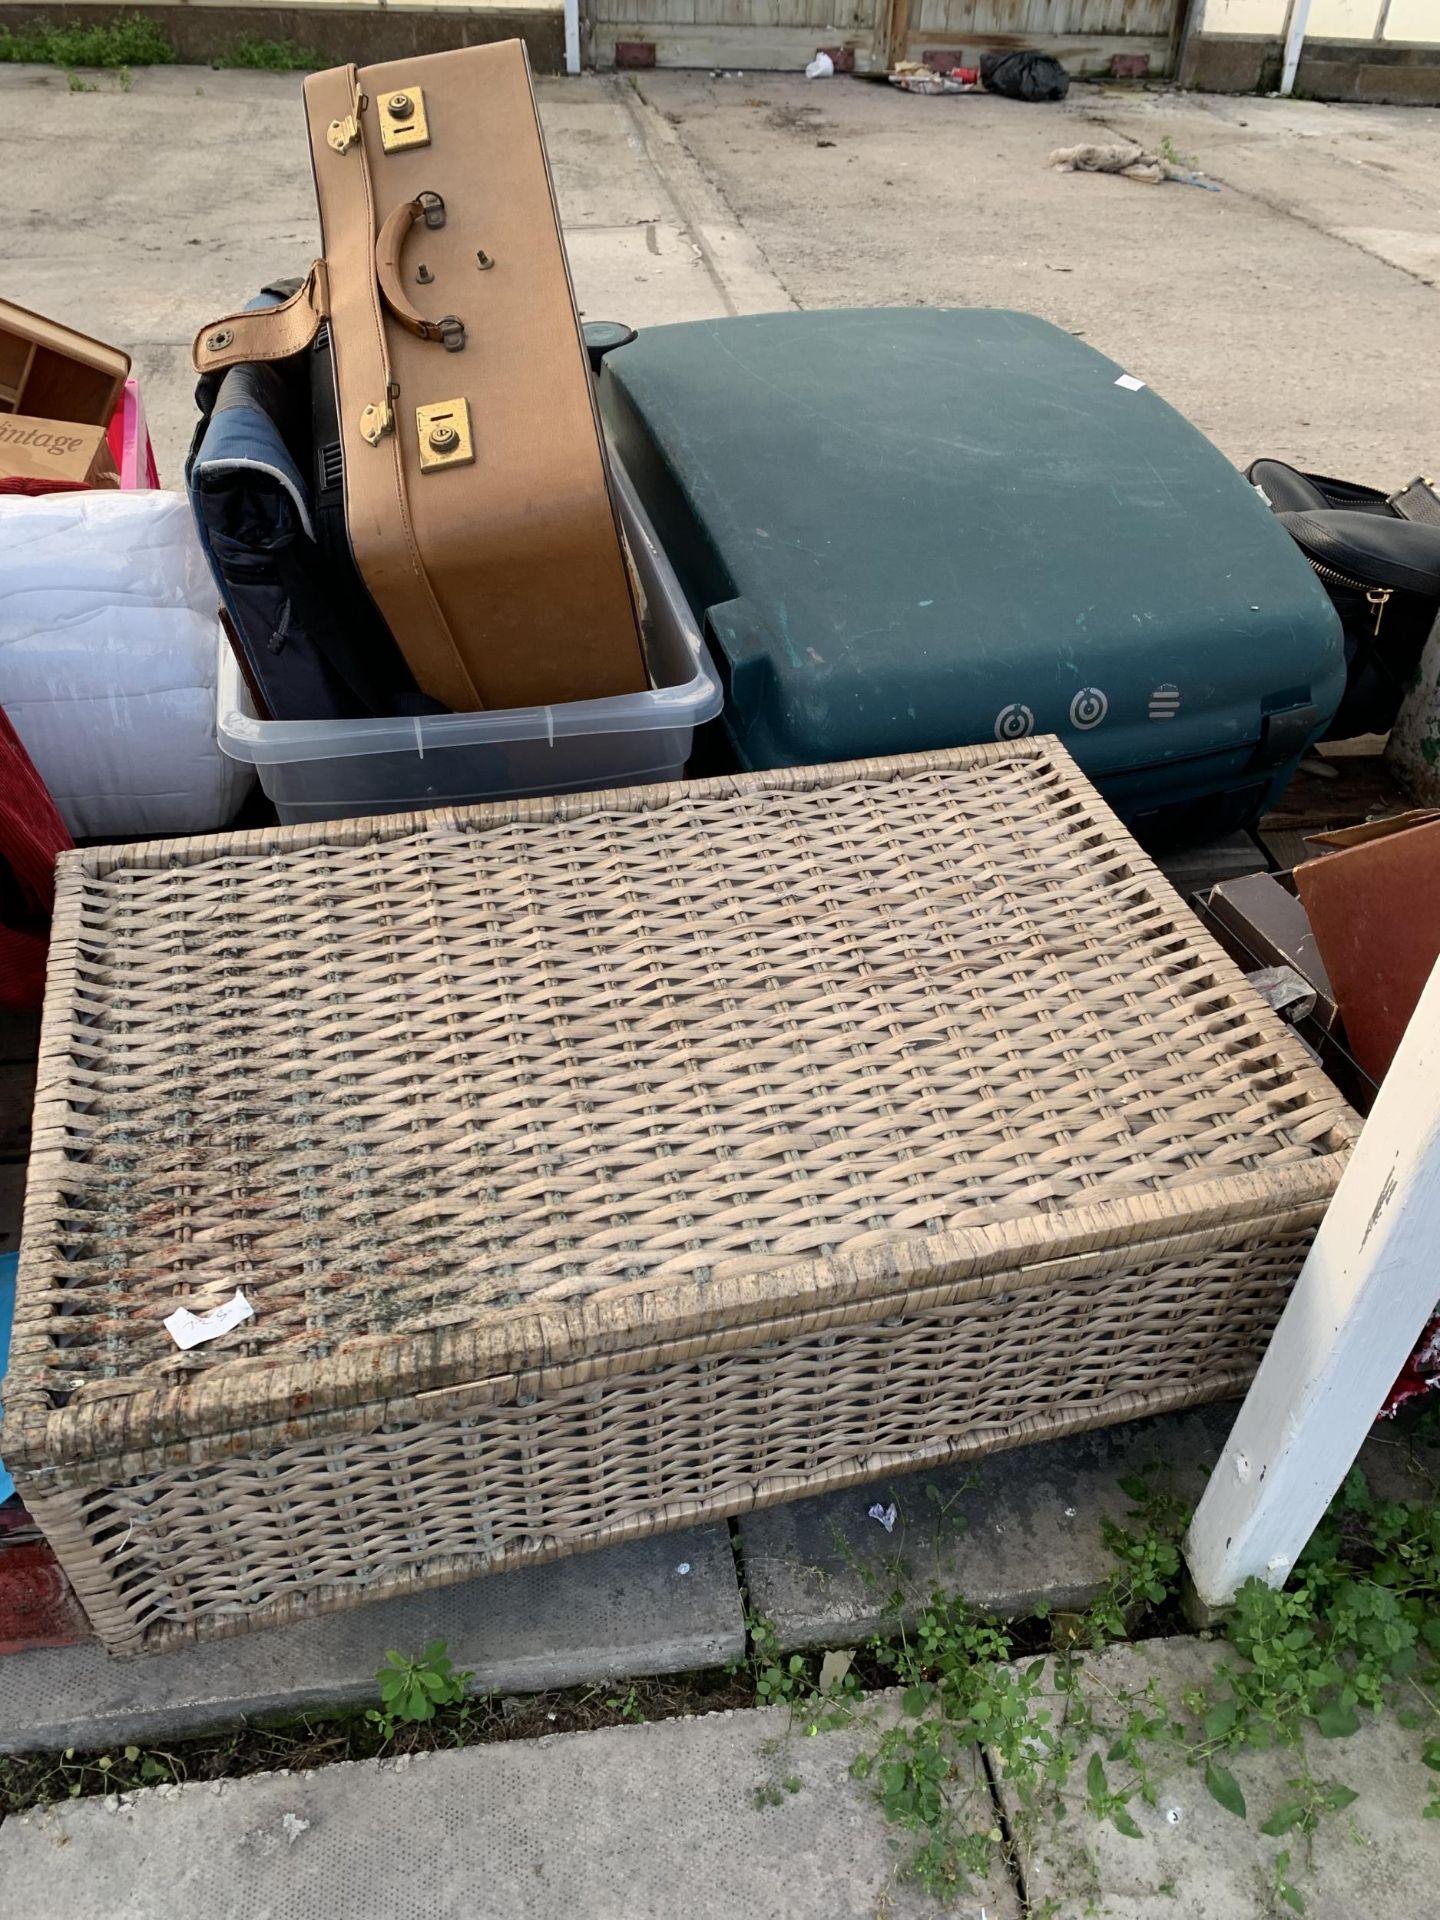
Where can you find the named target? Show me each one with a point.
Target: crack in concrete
(647, 120)
(1257, 196)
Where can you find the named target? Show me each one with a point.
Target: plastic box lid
(686, 692)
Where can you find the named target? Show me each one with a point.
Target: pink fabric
(31, 835)
(129, 439)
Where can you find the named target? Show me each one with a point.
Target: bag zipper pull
(1379, 598)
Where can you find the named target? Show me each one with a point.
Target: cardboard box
(33, 449)
(1375, 909)
(54, 373)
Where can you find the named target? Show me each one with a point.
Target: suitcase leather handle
(265, 333)
(389, 255)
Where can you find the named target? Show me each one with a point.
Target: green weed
(1357, 1628)
(124, 41)
(1169, 151)
(627, 1706)
(412, 1689)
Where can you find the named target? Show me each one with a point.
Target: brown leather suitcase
(477, 496)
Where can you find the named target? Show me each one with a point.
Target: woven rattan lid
(468, 1090)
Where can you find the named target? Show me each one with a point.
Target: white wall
(1415, 20)
(1343, 19)
(1409, 20)
(1244, 16)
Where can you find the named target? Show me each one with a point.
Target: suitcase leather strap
(265, 333)
(382, 531)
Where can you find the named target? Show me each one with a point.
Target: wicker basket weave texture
(573, 1083)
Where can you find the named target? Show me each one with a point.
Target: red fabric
(1420, 1374)
(31, 835)
(37, 1605)
(13, 483)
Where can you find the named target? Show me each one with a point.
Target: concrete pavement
(1196, 1861)
(141, 239)
(1295, 313)
(732, 1817)
(670, 1605)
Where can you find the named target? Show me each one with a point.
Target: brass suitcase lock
(443, 430)
(403, 122)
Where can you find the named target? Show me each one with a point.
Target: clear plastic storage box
(333, 769)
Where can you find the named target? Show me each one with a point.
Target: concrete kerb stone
(1012, 1532)
(667, 1605)
(732, 1816)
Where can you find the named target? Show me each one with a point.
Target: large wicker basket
(602, 1164)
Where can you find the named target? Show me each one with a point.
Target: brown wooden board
(1375, 909)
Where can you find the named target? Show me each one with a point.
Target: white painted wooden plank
(1359, 1306)
(1294, 44)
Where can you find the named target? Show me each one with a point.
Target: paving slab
(858, 195)
(668, 1605)
(1009, 1532)
(645, 1823)
(1195, 1861)
(141, 240)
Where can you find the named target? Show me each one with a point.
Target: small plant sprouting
(411, 1690)
(627, 1705)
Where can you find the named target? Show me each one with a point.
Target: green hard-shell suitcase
(914, 529)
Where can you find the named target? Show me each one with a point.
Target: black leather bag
(1378, 557)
